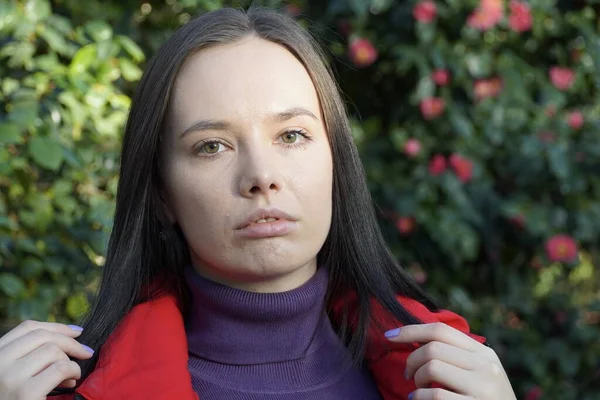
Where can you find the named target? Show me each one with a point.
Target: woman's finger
(68, 383)
(37, 361)
(437, 394)
(27, 343)
(43, 383)
(438, 332)
(444, 352)
(29, 326)
(447, 375)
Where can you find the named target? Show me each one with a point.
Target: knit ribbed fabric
(251, 346)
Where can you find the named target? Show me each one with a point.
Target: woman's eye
(210, 148)
(290, 137)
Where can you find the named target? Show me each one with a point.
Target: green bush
(478, 122)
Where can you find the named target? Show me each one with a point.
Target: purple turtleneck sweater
(266, 346)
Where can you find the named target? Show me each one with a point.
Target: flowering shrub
(479, 129)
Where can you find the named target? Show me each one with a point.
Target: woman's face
(247, 166)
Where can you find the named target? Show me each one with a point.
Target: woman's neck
(251, 282)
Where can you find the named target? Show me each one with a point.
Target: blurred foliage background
(478, 122)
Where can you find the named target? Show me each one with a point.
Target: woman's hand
(466, 368)
(34, 359)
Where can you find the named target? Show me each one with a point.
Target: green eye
(211, 147)
(290, 137)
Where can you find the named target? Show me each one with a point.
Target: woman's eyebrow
(205, 125)
(211, 124)
(291, 113)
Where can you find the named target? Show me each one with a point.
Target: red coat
(146, 356)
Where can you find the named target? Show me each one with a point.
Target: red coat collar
(146, 356)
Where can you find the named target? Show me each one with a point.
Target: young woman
(245, 260)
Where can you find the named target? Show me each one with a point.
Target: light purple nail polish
(392, 333)
(410, 395)
(88, 349)
(75, 328)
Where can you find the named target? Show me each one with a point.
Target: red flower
(432, 107)
(520, 19)
(534, 393)
(437, 165)
(576, 120)
(412, 147)
(425, 11)
(441, 77)
(487, 15)
(405, 225)
(462, 167)
(362, 52)
(562, 78)
(492, 4)
(484, 88)
(561, 248)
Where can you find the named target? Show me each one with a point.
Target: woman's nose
(260, 175)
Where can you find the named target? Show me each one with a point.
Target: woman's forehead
(248, 79)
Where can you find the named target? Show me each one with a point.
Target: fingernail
(392, 333)
(88, 349)
(76, 328)
(410, 395)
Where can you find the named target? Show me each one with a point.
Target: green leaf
(60, 23)
(31, 267)
(425, 88)
(84, 57)
(559, 162)
(460, 123)
(131, 72)
(360, 7)
(20, 53)
(9, 133)
(479, 65)
(48, 63)
(24, 112)
(97, 241)
(55, 40)
(99, 30)
(426, 32)
(77, 305)
(132, 48)
(11, 285)
(9, 85)
(46, 152)
(37, 10)
(379, 6)
(106, 49)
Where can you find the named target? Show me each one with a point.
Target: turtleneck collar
(238, 327)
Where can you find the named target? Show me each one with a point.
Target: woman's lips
(279, 227)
